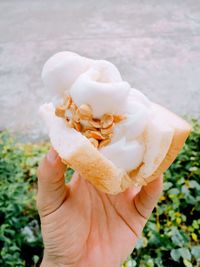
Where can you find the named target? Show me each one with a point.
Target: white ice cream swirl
(99, 84)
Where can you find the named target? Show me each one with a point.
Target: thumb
(52, 190)
(148, 197)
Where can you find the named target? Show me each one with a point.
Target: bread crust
(179, 138)
(98, 170)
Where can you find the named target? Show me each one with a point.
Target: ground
(155, 45)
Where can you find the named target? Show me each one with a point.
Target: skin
(82, 227)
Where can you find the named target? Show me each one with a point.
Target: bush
(20, 238)
(170, 236)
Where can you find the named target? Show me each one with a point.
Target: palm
(90, 228)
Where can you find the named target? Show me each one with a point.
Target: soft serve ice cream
(138, 139)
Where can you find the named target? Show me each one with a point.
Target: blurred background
(156, 46)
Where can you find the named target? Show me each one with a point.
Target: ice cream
(139, 140)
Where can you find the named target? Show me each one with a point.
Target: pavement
(154, 43)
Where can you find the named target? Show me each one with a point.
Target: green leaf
(194, 184)
(185, 253)
(187, 263)
(177, 238)
(167, 185)
(175, 254)
(35, 258)
(196, 252)
(142, 242)
(150, 263)
(196, 224)
(131, 263)
(173, 191)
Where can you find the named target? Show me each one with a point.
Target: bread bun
(112, 134)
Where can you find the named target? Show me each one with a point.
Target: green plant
(170, 237)
(20, 238)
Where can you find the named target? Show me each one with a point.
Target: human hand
(82, 227)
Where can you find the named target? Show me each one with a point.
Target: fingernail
(52, 156)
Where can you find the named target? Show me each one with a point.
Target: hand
(82, 227)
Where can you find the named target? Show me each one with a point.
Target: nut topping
(94, 142)
(73, 109)
(106, 120)
(76, 116)
(97, 135)
(104, 142)
(69, 123)
(118, 118)
(85, 112)
(106, 131)
(77, 126)
(60, 111)
(98, 130)
(96, 123)
(87, 134)
(67, 101)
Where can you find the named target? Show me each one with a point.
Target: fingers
(52, 190)
(147, 198)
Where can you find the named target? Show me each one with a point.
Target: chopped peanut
(60, 111)
(106, 120)
(98, 130)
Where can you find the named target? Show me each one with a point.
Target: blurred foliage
(170, 237)
(20, 238)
